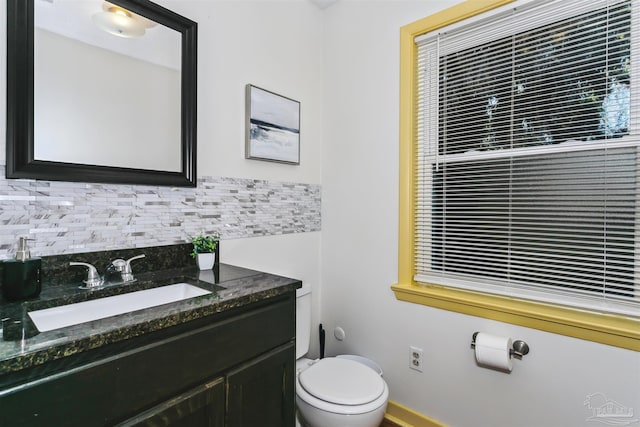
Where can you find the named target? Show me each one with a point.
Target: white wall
(276, 45)
(359, 259)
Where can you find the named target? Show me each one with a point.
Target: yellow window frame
(611, 329)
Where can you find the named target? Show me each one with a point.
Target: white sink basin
(73, 314)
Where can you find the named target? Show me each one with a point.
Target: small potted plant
(204, 249)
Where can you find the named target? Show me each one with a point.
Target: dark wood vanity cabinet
(233, 369)
(257, 393)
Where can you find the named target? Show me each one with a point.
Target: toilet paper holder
(519, 347)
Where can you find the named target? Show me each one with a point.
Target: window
(524, 164)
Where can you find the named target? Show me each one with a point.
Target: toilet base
(314, 417)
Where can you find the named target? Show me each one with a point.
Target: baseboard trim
(398, 415)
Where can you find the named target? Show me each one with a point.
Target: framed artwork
(272, 127)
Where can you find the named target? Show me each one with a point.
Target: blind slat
(527, 160)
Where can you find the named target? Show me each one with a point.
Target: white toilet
(341, 391)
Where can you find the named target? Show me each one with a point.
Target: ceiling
(323, 4)
(73, 19)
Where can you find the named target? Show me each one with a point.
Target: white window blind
(527, 160)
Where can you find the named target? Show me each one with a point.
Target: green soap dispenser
(21, 276)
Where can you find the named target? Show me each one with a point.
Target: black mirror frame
(20, 161)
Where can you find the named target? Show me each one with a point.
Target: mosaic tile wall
(65, 217)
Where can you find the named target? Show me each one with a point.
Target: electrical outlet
(415, 358)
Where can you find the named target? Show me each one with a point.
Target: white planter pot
(205, 261)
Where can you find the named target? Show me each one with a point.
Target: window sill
(616, 330)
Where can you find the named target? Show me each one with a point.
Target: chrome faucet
(93, 278)
(123, 268)
(117, 267)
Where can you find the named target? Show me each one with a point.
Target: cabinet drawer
(117, 387)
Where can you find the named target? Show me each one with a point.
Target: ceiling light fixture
(121, 22)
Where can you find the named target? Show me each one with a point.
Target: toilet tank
(303, 319)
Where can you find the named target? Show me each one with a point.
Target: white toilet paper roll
(493, 351)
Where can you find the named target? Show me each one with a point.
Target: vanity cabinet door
(261, 392)
(202, 406)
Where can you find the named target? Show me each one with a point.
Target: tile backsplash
(69, 217)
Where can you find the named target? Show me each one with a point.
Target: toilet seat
(341, 381)
(341, 386)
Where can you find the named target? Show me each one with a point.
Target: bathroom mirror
(101, 92)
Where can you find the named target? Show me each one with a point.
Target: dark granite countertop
(23, 346)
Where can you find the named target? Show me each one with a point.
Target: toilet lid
(342, 381)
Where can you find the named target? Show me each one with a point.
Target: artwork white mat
(272, 127)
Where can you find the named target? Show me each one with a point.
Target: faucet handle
(127, 273)
(119, 264)
(132, 259)
(93, 278)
